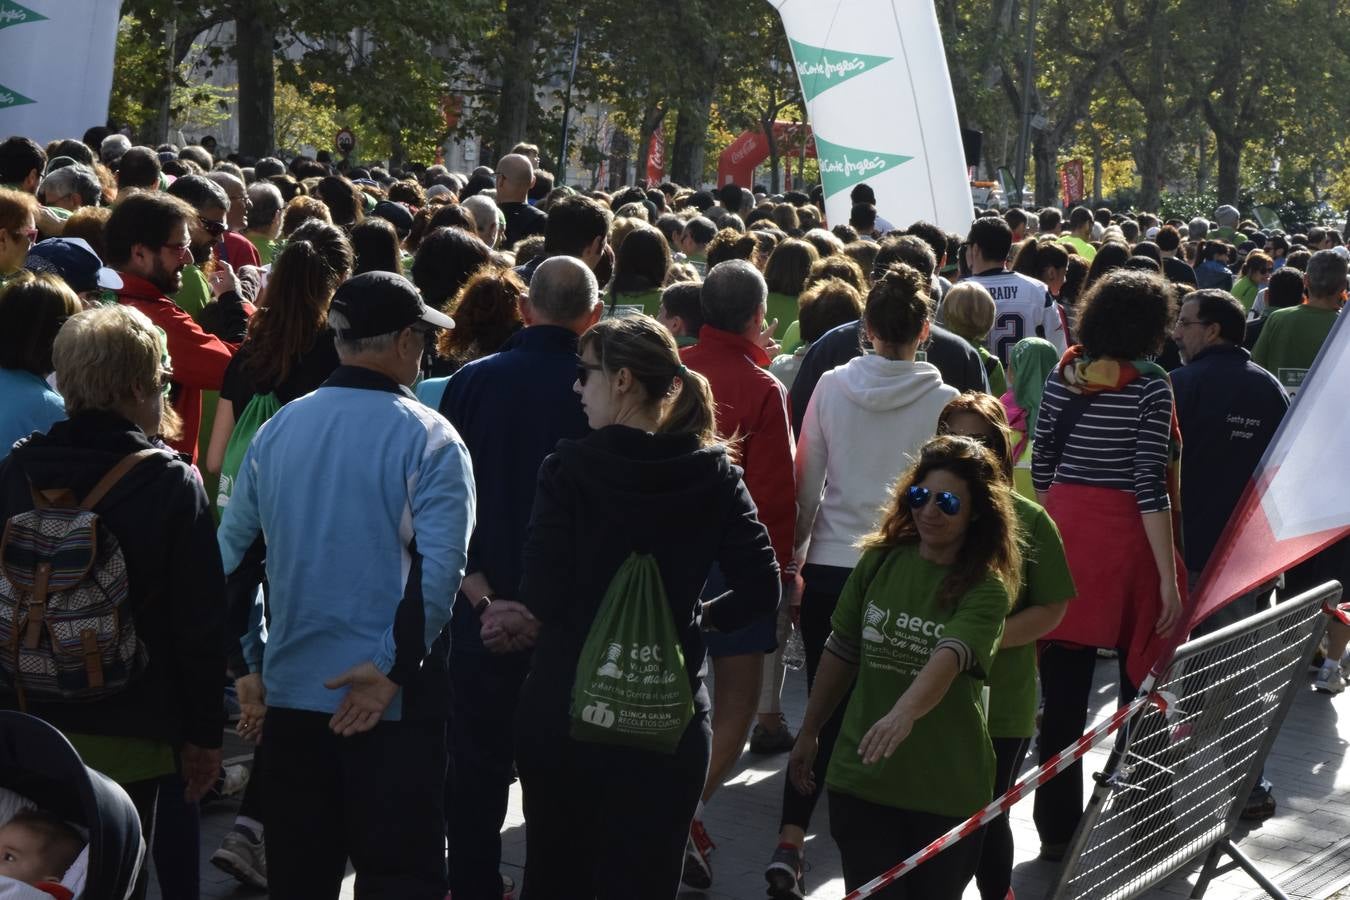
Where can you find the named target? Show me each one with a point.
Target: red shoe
(697, 867)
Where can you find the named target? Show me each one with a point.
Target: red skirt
(1116, 580)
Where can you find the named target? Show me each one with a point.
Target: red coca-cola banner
(1072, 186)
(656, 158)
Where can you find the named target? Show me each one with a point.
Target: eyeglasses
(215, 229)
(1182, 323)
(179, 249)
(165, 379)
(30, 233)
(918, 498)
(584, 372)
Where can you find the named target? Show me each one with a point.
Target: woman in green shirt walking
(1047, 586)
(1256, 269)
(785, 273)
(640, 265)
(914, 633)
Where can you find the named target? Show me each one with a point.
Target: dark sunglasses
(215, 229)
(946, 501)
(165, 379)
(584, 372)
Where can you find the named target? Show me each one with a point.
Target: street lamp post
(1028, 85)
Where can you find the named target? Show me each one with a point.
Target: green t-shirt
(1246, 290)
(267, 249)
(998, 381)
(123, 759)
(646, 302)
(195, 293)
(1045, 580)
(782, 307)
(1290, 340)
(889, 608)
(1085, 250)
(792, 338)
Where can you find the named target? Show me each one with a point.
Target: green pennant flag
(12, 13)
(843, 167)
(10, 98)
(821, 69)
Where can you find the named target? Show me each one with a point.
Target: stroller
(37, 762)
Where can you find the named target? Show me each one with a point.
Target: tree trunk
(691, 136)
(1202, 163)
(1045, 152)
(517, 74)
(1096, 172)
(1150, 156)
(1229, 152)
(253, 51)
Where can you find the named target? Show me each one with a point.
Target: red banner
(1072, 186)
(656, 158)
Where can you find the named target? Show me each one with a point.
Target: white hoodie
(864, 425)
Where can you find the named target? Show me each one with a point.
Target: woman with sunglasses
(914, 636)
(1047, 587)
(653, 478)
(865, 423)
(18, 230)
(32, 310)
(1106, 466)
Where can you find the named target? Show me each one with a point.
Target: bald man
(511, 408)
(515, 177)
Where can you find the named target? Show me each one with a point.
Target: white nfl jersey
(1024, 309)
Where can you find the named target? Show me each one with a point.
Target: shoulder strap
(115, 474)
(1068, 417)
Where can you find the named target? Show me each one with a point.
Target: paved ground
(1305, 848)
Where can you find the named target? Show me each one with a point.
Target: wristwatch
(482, 603)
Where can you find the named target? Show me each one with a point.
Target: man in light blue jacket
(366, 499)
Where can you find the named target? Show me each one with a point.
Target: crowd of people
(379, 465)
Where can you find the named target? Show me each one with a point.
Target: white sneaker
(244, 858)
(1330, 678)
(234, 780)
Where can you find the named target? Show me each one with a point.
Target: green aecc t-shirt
(1045, 580)
(889, 608)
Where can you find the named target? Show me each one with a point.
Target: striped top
(1119, 442)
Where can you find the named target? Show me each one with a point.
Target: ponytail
(692, 411)
(646, 349)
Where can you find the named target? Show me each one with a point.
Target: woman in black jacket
(602, 820)
(169, 720)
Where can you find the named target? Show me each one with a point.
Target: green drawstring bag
(261, 408)
(631, 686)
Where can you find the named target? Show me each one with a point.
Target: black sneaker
(769, 741)
(1260, 805)
(785, 873)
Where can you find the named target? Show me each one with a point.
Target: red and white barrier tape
(1025, 785)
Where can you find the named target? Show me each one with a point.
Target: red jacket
(752, 403)
(199, 359)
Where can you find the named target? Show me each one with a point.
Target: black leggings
(872, 838)
(608, 822)
(823, 585)
(1066, 684)
(994, 875)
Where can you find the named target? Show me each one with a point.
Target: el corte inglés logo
(821, 69)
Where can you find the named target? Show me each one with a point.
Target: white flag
(56, 65)
(879, 100)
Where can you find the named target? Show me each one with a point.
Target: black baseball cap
(375, 303)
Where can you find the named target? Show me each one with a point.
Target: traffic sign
(345, 142)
